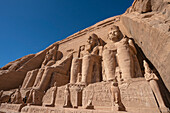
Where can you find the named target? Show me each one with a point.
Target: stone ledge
(40, 109)
(11, 108)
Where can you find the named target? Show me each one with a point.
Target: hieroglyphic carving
(101, 94)
(12, 107)
(60, 96)
(131, 94)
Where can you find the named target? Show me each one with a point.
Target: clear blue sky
(29, 26)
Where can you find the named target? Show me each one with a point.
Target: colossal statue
(51, 57)
(88, 61)
(43, 78)
(118, 54)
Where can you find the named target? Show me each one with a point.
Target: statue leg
(31, 78)
(43, 85)
(109, 61)
(26, 80)
(75, 69)
(96, 74)
(124, 61)
(87, 67)
(39, 76)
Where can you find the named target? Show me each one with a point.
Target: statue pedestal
(5, 107)
(76, 96)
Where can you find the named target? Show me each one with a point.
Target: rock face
(99, 69)
(148, 22)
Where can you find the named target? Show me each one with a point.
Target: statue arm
(54, 57)
(132, 46)
(95, 51)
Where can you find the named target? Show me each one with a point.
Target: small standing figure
(152, 79)
(116, 98)
(17, 98)
(67, 102)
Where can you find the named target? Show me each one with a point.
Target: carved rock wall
(150, 31)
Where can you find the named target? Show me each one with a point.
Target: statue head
(82, 48)
(114, 34)
(93, 39)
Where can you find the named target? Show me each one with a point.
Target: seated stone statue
(51, 57)
(119, 52)
(88, 62)
(42, 82)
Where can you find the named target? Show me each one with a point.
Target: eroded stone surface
(99, 69)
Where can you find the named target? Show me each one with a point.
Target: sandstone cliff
(148, 22)
(119, 64)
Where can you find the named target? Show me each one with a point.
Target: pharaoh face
(114, 34)
(92, 39)
(82, 48)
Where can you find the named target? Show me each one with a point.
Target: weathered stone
(49, 97)
(99, 68)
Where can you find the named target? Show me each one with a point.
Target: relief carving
(152, 79)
